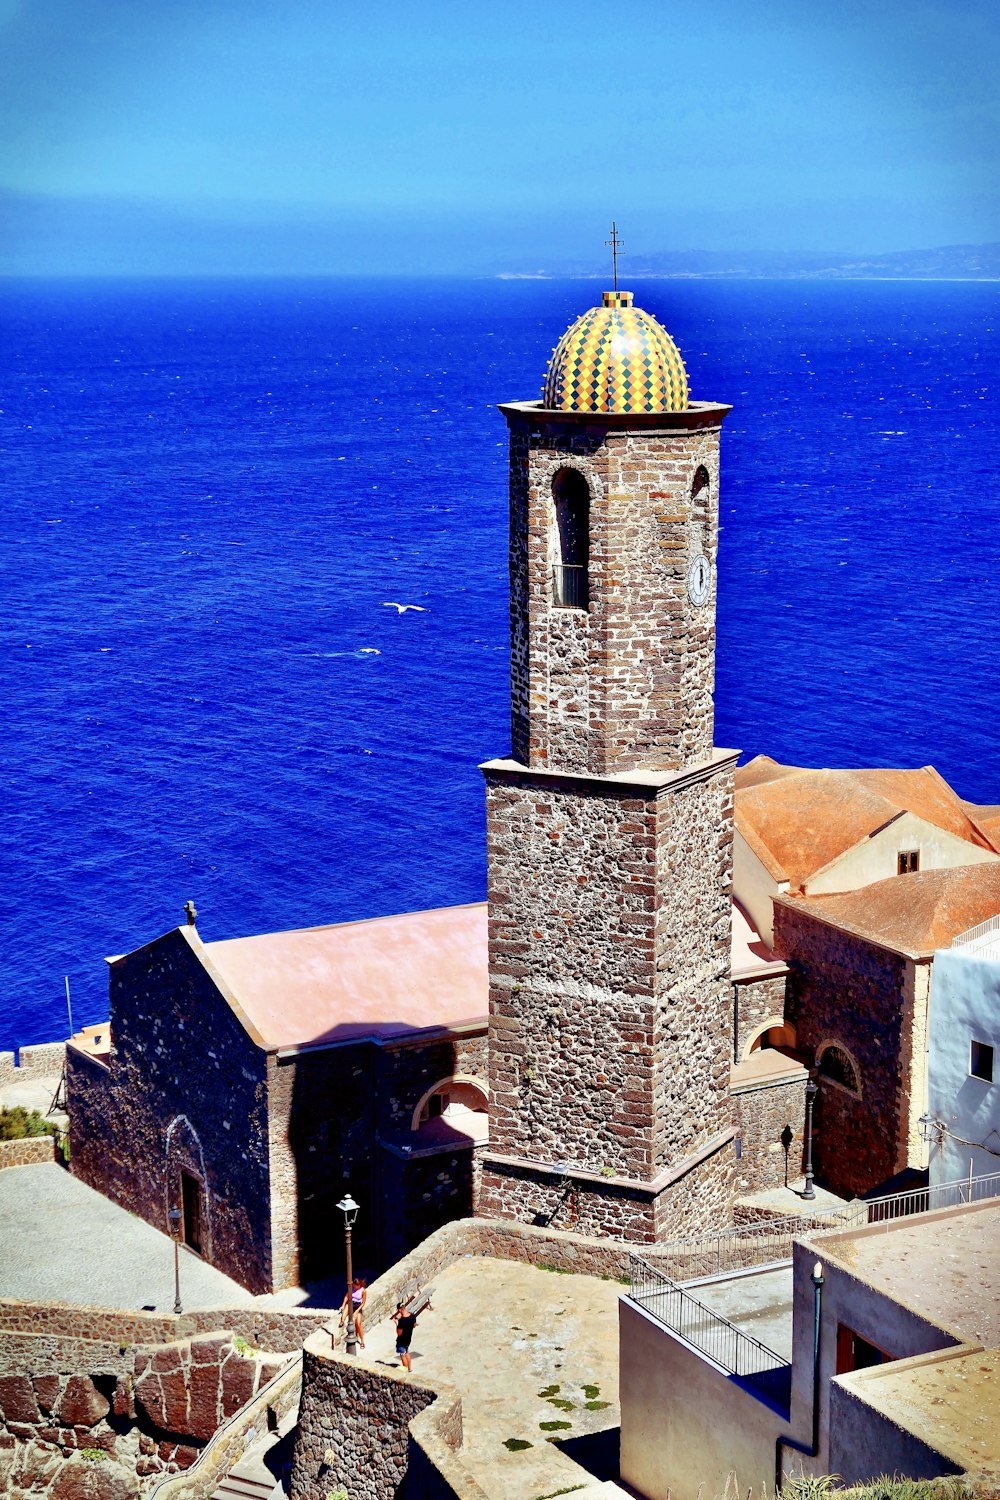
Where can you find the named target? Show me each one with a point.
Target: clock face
(699, 579)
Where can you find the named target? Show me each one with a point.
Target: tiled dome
(616, 358)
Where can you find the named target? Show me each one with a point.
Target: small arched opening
(458, 1103)
(571, 570)
(774, 1032)
(836, 1065)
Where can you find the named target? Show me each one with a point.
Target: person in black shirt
(405, 1323)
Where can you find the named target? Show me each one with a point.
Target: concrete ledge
(648, 782)
(631, 1185)
(27, 1152)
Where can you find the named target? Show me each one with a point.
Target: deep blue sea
(211, 488)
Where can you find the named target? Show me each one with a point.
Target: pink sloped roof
(383, 978)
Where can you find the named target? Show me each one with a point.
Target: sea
(216, 493)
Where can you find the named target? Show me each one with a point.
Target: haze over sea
(210, 489)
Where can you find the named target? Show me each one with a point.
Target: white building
(963, 1062)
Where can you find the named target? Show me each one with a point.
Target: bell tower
(610, 826)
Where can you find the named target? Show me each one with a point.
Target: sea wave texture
(214, 493)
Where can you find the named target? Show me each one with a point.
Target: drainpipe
(790, 1442)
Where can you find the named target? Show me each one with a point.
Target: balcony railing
(571, 586)
(983, 939)
(714, 1335)
(769, 1241)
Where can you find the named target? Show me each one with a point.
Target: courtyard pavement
(60, 1241)
(528, 1349)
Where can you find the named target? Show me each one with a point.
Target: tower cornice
(521, 415)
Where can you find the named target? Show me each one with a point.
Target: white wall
(965, 1005)
(875, 858)
(754, 888)
(686, 1424)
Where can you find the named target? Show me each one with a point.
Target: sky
(394, 137)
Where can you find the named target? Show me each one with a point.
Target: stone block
(203, 1404)
(47, 1388)
(237, 1384)
(80, 1479)
(17, 1399)
(82, 1404)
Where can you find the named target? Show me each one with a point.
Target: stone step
(233, 1487)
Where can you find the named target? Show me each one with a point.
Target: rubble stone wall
(763, 1116)
(149, 1409)
(185, 1090)
(850, 992)
(754, 1002)
(630, 677)
(27, 1152)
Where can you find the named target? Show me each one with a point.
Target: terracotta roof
(987, 817)
(382, 979)
(912, 914)
(798, 820)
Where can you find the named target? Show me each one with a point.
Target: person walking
(405, 1324)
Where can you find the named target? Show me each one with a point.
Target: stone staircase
(251, 1478)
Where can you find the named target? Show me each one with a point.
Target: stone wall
(353, 1430)
(771, 1121)
(185, 1090)
(850, 992)
(150, 1408)
(754, 1002)
(43, 1060)
(631, 677)
(27, 1152)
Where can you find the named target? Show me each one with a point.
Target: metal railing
(985, 935)
(749, 1246)
(714, 1335)
(571, 586)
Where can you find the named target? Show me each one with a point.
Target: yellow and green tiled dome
(616, 358)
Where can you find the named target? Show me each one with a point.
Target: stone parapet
(28, 1152)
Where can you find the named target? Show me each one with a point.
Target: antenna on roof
(616, 248)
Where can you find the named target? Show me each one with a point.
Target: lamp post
(812, 1089)
(349, 1209)
(174, 1220)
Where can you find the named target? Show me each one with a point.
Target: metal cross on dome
(616, 247)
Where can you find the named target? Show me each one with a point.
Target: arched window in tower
(571, 570)
(701, 496)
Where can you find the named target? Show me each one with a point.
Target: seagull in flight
(402, 608)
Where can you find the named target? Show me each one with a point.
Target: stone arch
(836, 1064)
(183, 1156)
(701, 502)
(760, 1037)
(462, 1087)
(571, 539)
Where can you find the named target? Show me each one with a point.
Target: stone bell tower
(610, 827)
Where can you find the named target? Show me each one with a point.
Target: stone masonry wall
(629, 681)
(691, 1042)
(149, 1408)
(609, 954)
(847, 991)
(27, 1152)
(185, 1090)
(571, 891)
(353, 1430)
(754, 1002)
(763, 1116)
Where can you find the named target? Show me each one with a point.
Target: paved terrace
(60, 1241)
(535, 1356)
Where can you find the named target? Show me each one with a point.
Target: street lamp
(349, 1209)
(812, 1089)
(174, 1220)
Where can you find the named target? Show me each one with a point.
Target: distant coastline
(944, 263)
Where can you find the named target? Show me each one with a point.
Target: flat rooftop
(950, 1401)
(944, 1266)
(535, 1356)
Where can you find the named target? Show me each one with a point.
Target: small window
(907, 861)
(855, 1352)
(191, 1200)
(981, 1061)
(571, 573)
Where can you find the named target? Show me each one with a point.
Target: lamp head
(349, 1209)
(174, 1220)
(817, 1274)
